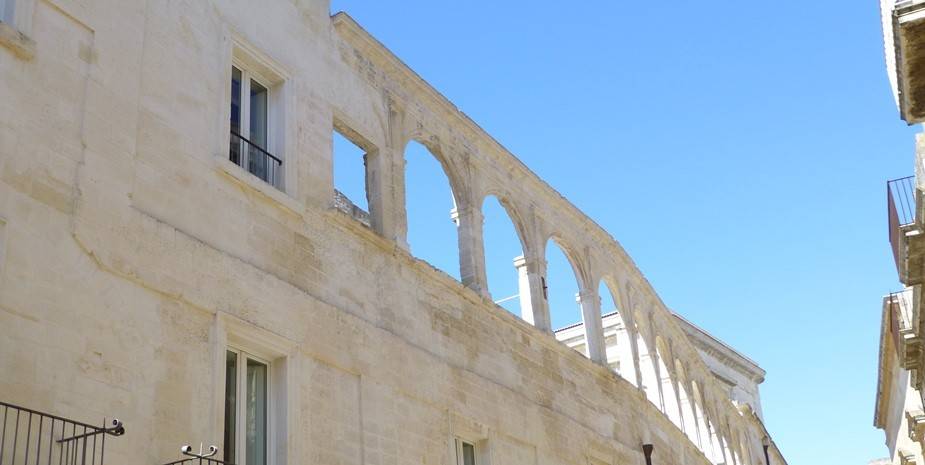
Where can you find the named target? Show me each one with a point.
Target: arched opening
(561, 288)
(430, 207)
(717, 448)
(617, 335)
(503, 248)
(646, 365)
(702, 429)
(670, 398)
(687, 405)
(730, 460)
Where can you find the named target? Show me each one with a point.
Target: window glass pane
(258, 161)
(231, 390)
(468, 451)
(258, 117)
(235, 146)
(256, 408)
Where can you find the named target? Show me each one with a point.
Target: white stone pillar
(632, 334)
(590, 303)
(532, 285)
(385, 178)
(469, 222)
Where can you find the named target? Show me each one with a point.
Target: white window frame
(280, 138)
(466, 430)
(459, 451)
(247, 76)
(280, 354)
(240, 440)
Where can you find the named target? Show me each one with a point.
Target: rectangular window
(250, 127)
(246, 407)
(465, 453)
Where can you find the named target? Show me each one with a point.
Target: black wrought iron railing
(29, 437)
(255, 159)
(900, 198)
(201, 458)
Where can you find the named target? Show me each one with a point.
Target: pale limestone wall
(133, 252)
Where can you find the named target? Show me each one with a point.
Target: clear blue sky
(738, 151)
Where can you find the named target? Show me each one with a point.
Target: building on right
(899, 405)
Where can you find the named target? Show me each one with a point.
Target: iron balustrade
(255, 159)
(900, 198)
(29, 437)
(202, 458)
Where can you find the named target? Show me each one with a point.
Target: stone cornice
(722, 351)
(884, 368)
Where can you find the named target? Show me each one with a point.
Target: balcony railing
(28, 437)
(900, 198)
(255, 159)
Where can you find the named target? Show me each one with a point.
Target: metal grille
(28, 437)
(255, 159)
(900, 198)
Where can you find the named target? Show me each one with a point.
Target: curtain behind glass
(258, 161)
(256, 408)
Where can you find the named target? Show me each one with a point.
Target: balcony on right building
(904, 43)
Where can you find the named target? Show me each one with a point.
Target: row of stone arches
(442, 218)
(648, 362)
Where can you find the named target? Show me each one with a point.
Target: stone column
(632, 332)
(695, 404)
(385, 178)
(532, 284)
(590, 303)
(469, 222)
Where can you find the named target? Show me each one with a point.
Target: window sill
(21, 45)
(243, 177)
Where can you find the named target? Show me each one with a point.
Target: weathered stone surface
(134, 252)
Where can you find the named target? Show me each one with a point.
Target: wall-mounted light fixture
(647, 450)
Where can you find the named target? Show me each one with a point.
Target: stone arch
(668, 382)
(578, 271)
(701, 419)
(686, 404)
(626, 339)
(424, 204)
(458, 186)
(647, 359)
(519, 292)
(515, 213)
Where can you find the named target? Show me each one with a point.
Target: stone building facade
(738, 374)
(173, 252)
(899, 403)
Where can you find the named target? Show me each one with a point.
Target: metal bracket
(188, 451)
